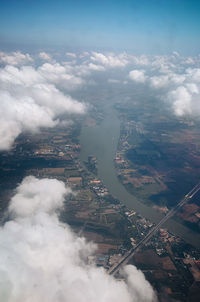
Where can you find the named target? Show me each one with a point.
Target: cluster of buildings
(98, 188)
(114, 227)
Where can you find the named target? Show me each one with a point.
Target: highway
(125, 258)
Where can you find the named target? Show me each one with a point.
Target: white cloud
(176, 54)
(137, 76)
(173, 80)
(15, 58)
(70, 54)
(183, 92)
(189, 61)
(185, 100)
(169, 80)
(110, 60)
(140, 60)
(19, 114)
(159, 81)
(164, 64)
(30, 100)
(93, 66)
(60, 75)
(84, 54)
(24, 76)
(42, 260)
(45, 56)
(193, 74)
(177, 79)
(193, 88)
(181, 100)
(38, 195)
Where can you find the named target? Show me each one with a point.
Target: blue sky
(145, 26)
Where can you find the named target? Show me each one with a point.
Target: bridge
(128, 255)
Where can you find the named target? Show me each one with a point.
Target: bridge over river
(125, 258)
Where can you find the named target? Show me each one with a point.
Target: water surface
(101, 141)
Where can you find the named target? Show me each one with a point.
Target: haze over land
(38, 91)
(35, 89)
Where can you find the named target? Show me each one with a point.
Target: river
(101, 141)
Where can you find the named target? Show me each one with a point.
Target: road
(125, 258)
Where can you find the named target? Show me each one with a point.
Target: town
(171, 265)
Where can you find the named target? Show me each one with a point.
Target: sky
(145, 26)
(149, 40)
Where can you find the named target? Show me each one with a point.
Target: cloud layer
(137, 76)
(35, 95)
(15, 58)
(177, 80)
(42, 260)
(30, 99)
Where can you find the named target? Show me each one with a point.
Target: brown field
(84, 214)
(54, 171)
(161, 275)
(103, 243)
(188, 213)
(149, 259)
(167, 264)
(103, 248)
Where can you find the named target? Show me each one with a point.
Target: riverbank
(101, 141)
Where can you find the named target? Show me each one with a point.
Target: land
(170, 265)
(158, 159)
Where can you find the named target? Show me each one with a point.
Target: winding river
(101, 141)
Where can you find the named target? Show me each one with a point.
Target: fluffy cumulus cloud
(142, 60)
(60, 75)
(34, 97)
(181, 100)
(70, 54)
(137, 76)
(45, 56)
(183, 92)
(42, 260)
(15, 58)
(93, 66)
(176, 79)
(38, 195)
(31, 98)
(110, 60)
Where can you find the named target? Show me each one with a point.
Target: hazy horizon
(129, 69)
(141, 27)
